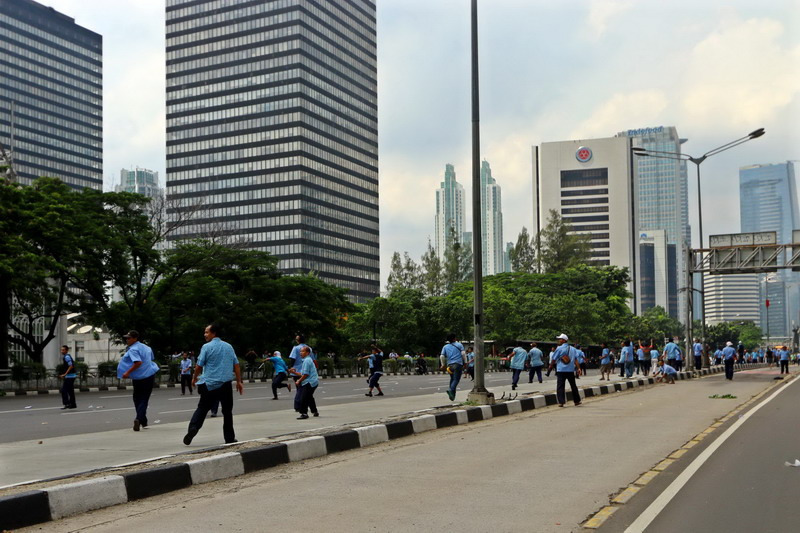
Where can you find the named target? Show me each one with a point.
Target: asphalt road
(742, 486)
(41, 417)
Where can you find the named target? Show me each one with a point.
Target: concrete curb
(38, 506)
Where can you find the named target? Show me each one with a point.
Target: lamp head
(758, 133)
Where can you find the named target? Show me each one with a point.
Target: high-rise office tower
(768, 202)
(449, 211)
(732, 298)
(593, 185)
(658, 271)
(140, 181)
(663, 197)
(272, 125)
(51, 95)
(491, 223)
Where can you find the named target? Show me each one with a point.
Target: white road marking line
(100, 411)
(28, 410)
(181, 411)
(659, 504)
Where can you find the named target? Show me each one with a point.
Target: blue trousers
(142, 389)
(455, 377)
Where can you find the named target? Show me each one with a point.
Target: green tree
(457, 264)
(403, 274)
(432, 276)
(523, 254)
(562, 249)
(747, 332)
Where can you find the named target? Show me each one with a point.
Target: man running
(536, 363)
(376, 370)
(279, 375)
(453, 353)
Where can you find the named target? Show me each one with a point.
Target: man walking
(697, 348)
(565, 356)
(535, 360)
(453, 353)
(729, 357)
(297, 364)
(671, 353)
(138, 365)
(517, 358)
(307, 384)
(186, 374)
(581, 361)
(783, 357)
(216, 366)
(606, 364)
(279, 375)
(69, 375)
(627, 357)
(643, 357)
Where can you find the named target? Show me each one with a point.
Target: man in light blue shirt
(535, 360)
(671, 353)
(307, 384)
(665, 372)
(729, 357)
(280, 373)
(453, 353)
(783, 357)
(517, 358)
(297, 364)
(627, 357)
(606, 365)
(470, 355)
(564, 358)
(186, 374)
(138, 364)
(580, 362)
(697, 348)
(216, 367)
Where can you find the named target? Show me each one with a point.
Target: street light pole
(479, 394)
(660, 154)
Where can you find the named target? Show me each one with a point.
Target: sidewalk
(541, 470)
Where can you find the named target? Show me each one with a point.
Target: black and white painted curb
(51, 503)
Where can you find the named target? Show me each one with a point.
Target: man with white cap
(279, 375)
(729, 357)
(564, 359)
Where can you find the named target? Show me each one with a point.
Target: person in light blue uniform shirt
(470, 355)
(718, 357)
(375, 370)
(217, 365)
(69, 375)
(453, 353)
(643, 356)
(697, 348)
(606, 365)
(627, 357)
(729, 358)
(667, 372)
(138, 364)
(783, 357)
(564, 359)
(517, 358)
(186, 374)
(297, 364)
(580, 362)
(280, 374)
(307, 384)
(536, 364)
(671, 353)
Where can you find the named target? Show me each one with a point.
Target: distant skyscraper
(449, 211)
(272, 124)
(51, 95)
(491, 223)
(592, 184)
(139, 180)
(768, 202)
(732, 298)
(658, 272)
(663, 196)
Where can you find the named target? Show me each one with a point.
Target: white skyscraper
(491, 223)
(141, 181)
(449, 211)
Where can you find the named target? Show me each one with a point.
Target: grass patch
(722, 397)
(470, 403)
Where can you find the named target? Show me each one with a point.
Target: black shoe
(302, 417)
(275, 398)
(187, 440)
(379, 394)
(136, 425)
(368, 394)
(513, 387)
(316, 414)
(64, 408)
(231, 441)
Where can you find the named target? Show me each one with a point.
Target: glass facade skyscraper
(768, 202)
(51, 95)
(449, 211)
(140, 181)
(272, 126)
(491, 223)
(663, 195)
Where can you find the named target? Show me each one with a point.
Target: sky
(550, 71)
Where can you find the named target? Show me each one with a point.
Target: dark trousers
(471, 372)
(679, 365)
(583, 368)
(561, 377)
(455, 377)
(307, 401)
(278, 383)
(208, 400)
(68, 392)
(784, 366)
(298, 398)
(186, 381)
(535, 370)
(142, 389)
(645, 364)
(698, 362)
(515, 372)
(729, 368)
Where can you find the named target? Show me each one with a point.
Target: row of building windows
(41, 107)
(69, 174)
(50, 66)
(584, 177)
(69, 146)
(53, 127)
(49, 37)
(240, 14)
(49, 94)
(596, 218)
(576, 210)
(90, 88)
(582, 201)
(344, 105)
(74, 56)
(590, 227)
(258, 31)
(584, 192)
(37, 151)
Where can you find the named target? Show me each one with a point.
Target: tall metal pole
(479, 394)
(700, 227)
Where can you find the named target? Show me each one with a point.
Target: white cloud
(601, 13)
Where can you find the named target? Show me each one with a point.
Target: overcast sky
(550, 71)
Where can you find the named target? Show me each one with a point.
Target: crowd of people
(216, 371)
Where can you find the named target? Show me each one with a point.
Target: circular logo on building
(583, 154)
